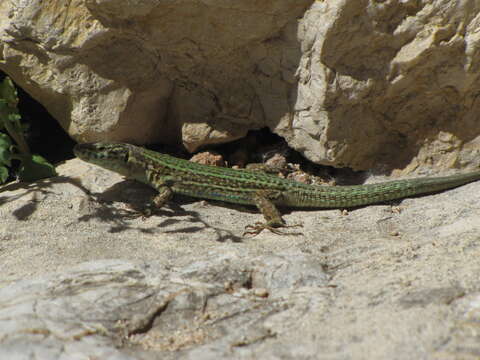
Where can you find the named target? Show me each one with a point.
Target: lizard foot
(258, 227)
(135, 214)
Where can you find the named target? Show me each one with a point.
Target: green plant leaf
(8, 92)
(35, 167)
(4, 111)
(5, 153)
(3, 174)
(13, 117)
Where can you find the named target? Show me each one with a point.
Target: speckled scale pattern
(241, 186)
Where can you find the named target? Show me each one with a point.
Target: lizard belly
(205, 191)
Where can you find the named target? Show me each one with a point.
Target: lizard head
(111, 156)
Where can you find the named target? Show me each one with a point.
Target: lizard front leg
(157, 201)
(274, 221)
(165, 193)
(163, 185)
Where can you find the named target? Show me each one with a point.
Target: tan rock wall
(389, 84)
(357, 83)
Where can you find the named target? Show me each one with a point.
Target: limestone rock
(148, 70)
(81, 279)
(364, 84)
(389, 84)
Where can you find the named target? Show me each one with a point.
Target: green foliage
(8, 93)
(5, 156)
(33, 167)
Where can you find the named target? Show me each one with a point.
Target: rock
(361, 84)
(149, 71)
(388, 84)
(115, 309)
(80, 278)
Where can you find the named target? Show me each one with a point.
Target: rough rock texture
(142, 71)
(154, 309)
(358, 83)
(79, 279)
(389, 84)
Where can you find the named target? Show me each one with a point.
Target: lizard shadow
(33, 192)
(129, 192)
(134, 196)
(37, 190)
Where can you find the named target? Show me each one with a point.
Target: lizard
(171, 175)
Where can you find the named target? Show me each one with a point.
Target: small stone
(261, 292)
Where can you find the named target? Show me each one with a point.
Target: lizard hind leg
(271, 214)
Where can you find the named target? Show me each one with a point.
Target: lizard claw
(258, 227)
(135, 214)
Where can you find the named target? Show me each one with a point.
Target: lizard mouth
(89, 151)
(100, 152)
(83, 151)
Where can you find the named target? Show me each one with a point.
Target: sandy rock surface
(80, 279)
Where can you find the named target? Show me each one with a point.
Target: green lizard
(170, 175)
